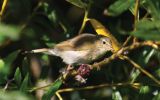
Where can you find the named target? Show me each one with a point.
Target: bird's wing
(83, 38)
(83, 41)
(64, 46)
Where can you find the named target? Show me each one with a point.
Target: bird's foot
(65, 71)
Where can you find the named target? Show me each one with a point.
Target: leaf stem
(85, 19)
(3, 7)
(84, 22)
(136, 13)
(136, 19)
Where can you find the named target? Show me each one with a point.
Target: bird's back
(80, 42)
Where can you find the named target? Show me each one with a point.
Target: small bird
(82, 49)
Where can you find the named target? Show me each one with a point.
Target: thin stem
(84, 21)
(98, 86)
(63, 27)
(142, 70)
(124, 49)
(136, 13)
(127, 40)
(59, 96)
(45, 86)
(7, 84)
(136, 19)
(3, 7)
(135, 75)
(42, 87)
(95, 87)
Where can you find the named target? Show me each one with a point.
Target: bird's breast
(75, 57)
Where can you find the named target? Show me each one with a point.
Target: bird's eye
(104, 42)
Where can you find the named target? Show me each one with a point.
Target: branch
(126, 49)
(142, 70)
(95, 87)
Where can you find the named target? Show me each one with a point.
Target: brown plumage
(81, 49)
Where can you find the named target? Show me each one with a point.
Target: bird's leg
(98, 67)
(65, 71)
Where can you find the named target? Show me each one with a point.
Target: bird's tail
(42, 50)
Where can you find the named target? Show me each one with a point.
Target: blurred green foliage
(14, 96)
(30, 24)
(55, 86)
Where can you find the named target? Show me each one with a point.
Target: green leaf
(158, 72)
(119, 7)
(14, 95)
(6, 64)
(116, 95)
(25, 83)
(149, 55)
(157, 96)
(144, 90)
(2, 71)
(134, 75)
(25, 66)
(50, 12)
(145, 56)
(77, 3)
(2, 64)
(18, 76)
(9, 31)
(49, 44)
(147, 30)
(45, 58)
(154, 8)
(147, 35)
(148, 25)
(10, 58)
(56, 85)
